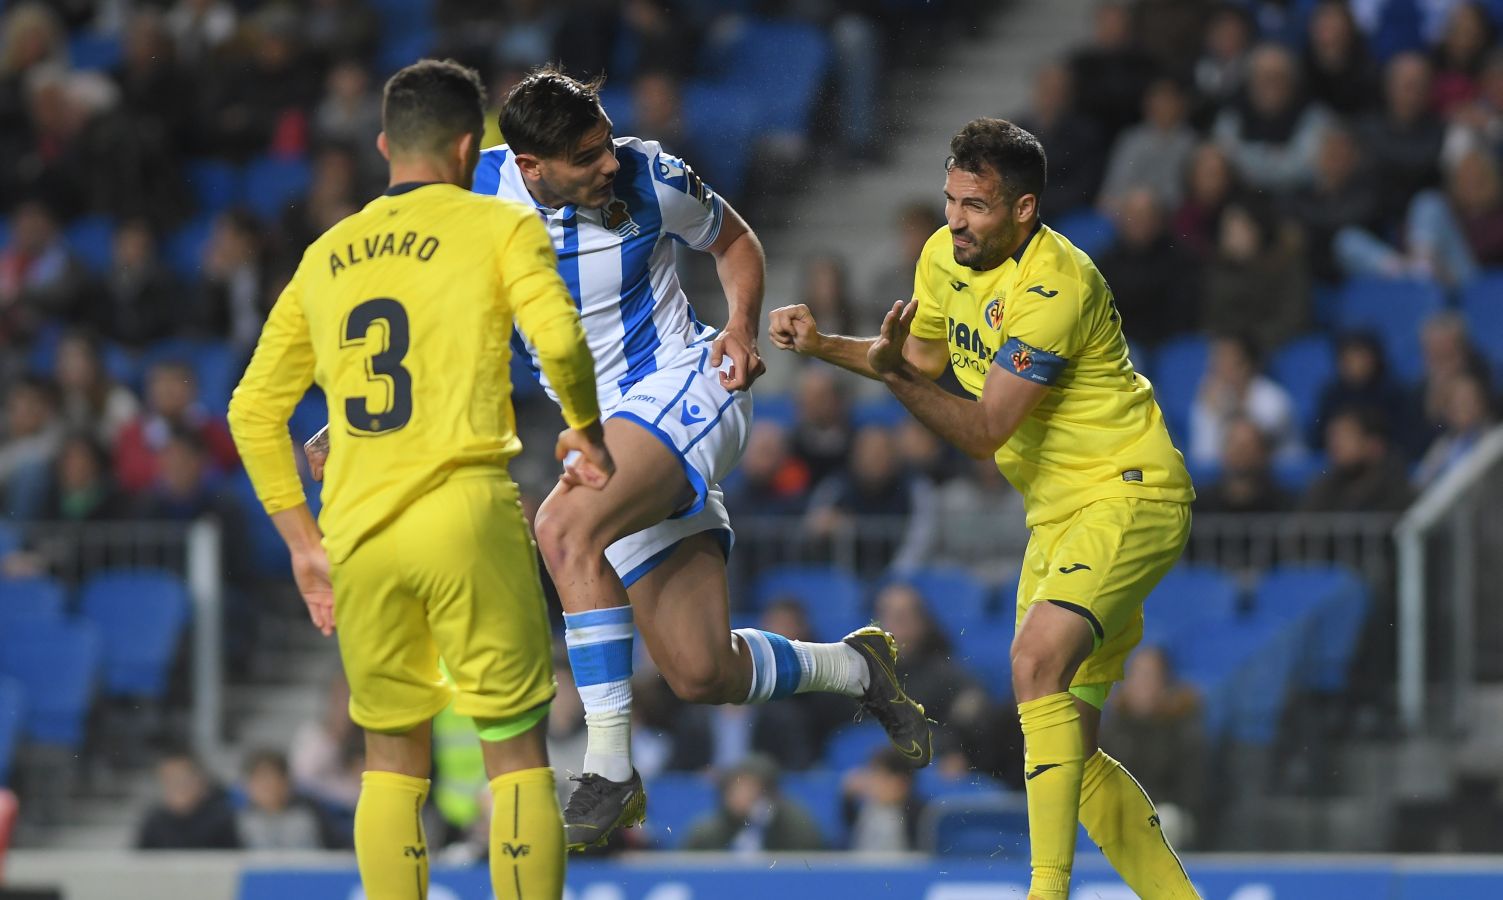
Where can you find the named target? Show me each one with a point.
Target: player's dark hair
(429, 104)
(548, 113)
(997, 145)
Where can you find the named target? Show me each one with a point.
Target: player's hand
(886, 352)
(310, 570)
(587, 462)
(793, 328)
(317, 451)
(746, 362)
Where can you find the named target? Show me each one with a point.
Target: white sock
(830, 668)
(600, 653)
(608, 745)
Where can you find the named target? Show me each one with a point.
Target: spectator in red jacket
(172, 404)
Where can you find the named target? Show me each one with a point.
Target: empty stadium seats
(1482, 303)
(954, 596)
(818, 792)
(854, 745)
(12, 717)
(1178, 366)
(1304, 367)
(271, 184)
(142, 617)
(1394, 310)
(835, 600)
(30, 599)
(675, 801)
(57, 662)
(91, 238)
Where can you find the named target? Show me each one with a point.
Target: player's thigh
(476, 566)
(388, 653)
(681, 608)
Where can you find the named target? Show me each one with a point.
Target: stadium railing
(1450, 557)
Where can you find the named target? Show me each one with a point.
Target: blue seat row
(215, 365)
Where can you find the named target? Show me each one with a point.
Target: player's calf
(714, 674)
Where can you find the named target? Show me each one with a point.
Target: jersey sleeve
(929, 318)
(1043, 326)
(545, 312)
(692, 212)
(278, 376)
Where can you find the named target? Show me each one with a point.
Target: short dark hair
(548, 112)
(272, 759)
(430, 103)
(1004, 148)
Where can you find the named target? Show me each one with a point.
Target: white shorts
(706, 427)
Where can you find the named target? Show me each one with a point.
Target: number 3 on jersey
(383, 366)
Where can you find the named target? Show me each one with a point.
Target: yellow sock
(1052, 766)
(389, 844)
(527, 837)
(1120, 818)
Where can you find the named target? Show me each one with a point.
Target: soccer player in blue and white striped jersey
(674, 392)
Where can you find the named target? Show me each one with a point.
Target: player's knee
(564, 538)
(701, 681)
(1036, 672)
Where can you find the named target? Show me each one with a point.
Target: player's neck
(422, 170)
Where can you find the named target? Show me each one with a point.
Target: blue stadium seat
(184, 250)
(92, 238)
(215, 183)
(1179, 364)
(401, 15)
(785, 60)
(402, 48)
(884, 411)
(724, 116)
(818, 792)
(1185, 599)
(675, 800)
(1304, 366)
(142, 616)
(616, 100)
(935, 786)
(1394, 310)
(271, 183)
(26, 599)
(1332, 603)
(12, 718)
(985, 650)
(218, 368)
(1142, 360)
(834, 599)
(1482, 302)
(58, 665)
(1215, 659)
(852, 746)
(10, 539)
(4, 234)
(995, 827)
(776, 408)
(1295, 475)
(100, 52)
(1087, 229)
(955, 597)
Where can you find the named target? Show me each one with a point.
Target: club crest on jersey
(618, 218)
(676, 174)
(994, 314)
(1022, 360)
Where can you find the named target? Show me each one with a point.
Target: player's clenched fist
(793, 328)
(587, 463)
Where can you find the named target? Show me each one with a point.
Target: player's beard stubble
(985, 251)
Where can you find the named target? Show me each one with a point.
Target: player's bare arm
(742, 267)
(1006, 400)
(793, 328)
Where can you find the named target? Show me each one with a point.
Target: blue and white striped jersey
(618, 265)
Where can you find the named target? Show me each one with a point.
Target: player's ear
(1026, 207)
(532, 168)
(381, 145)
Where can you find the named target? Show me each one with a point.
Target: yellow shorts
(453, 577)
(1102, 561)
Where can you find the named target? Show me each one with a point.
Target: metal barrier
(73, 551)
(1450, 555)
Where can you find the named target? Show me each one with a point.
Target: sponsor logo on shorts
(690, 414)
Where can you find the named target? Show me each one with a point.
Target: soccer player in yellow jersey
(1029, 327)
(402, 313)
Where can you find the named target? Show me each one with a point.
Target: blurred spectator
(1362, 381)
(274, 818)
(31, 38)
(39, 278)
(1272, 134)
(1154, 153)
(230, 297)
(770, 481)
(139, 296)
(33, 434)
(1257, 283)
(1234, 388)
(980, 516)
(172, 405)
(825, 289)
(1458, 60)
(154, 91)
(880, 806)
(1469, 414)
(258, 104)
(1154, 284)
(80, 489)
(333, 195)
(657, 114)
(1211, 184)
(1343, 196)
(917, 221)
(1447, 235)
(1221, 71)
(193, 812)
(1245, 482)
(754, 816)
(1404, 139)
(876, 485)
(921, 452)
(201, 27)
(341, 29)
(1449, 354)
(659, 34)
(1339, 72)
(349, 114)
(318, 754)
(1153, 723)
(184, 486)
(822, 421)
(1110, 74)
(1364, 474)
(1478, 125)
(91, 401)
(1077, 155)
(531, 36)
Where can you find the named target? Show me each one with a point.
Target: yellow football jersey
(1048, 315)
(403, 314)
